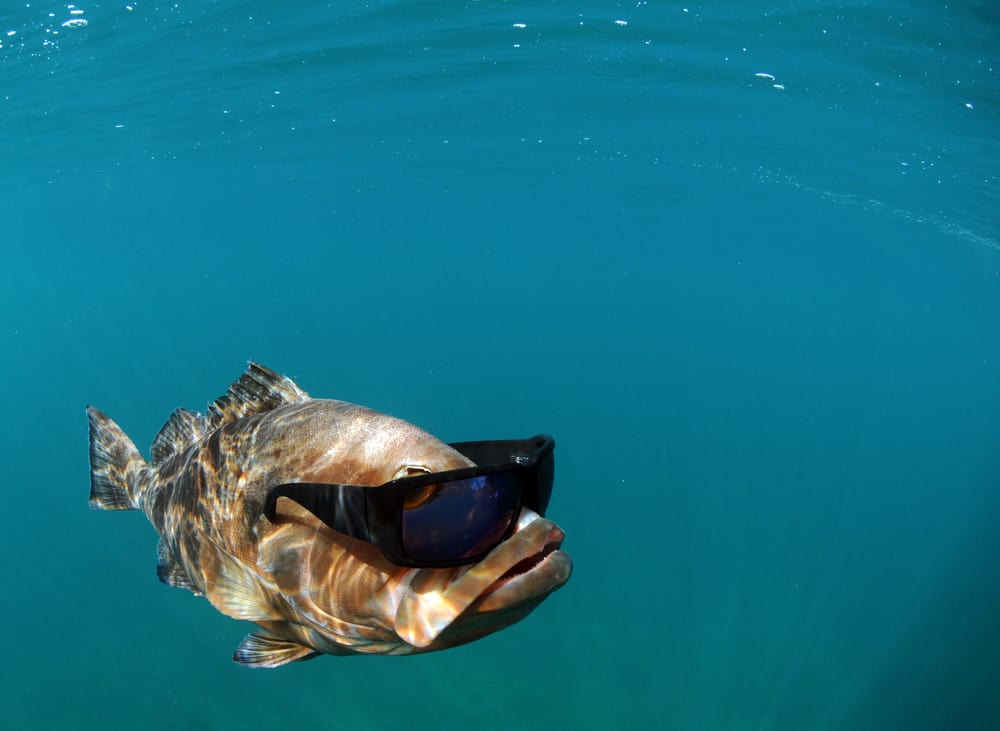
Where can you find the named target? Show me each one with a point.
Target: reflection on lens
(461, 518)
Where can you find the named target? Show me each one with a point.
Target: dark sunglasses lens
(459, 519)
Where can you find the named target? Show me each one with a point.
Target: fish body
(310, 589)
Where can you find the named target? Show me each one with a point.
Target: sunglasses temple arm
(344, 508)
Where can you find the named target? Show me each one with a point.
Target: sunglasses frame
(375, 513)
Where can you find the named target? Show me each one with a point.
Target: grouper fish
(309, 589)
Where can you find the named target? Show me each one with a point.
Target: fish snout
(494, 593)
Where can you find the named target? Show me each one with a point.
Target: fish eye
(419, 497)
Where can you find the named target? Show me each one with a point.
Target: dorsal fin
(258, 390)
(182, 429)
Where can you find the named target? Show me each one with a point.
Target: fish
(309, 589)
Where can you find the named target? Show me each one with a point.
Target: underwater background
(742, 260)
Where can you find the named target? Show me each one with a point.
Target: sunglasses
(441, 518)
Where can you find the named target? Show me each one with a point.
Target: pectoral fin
(263, 649)
(235, 589)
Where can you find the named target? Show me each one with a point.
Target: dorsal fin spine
(258, 390)
(182, 429)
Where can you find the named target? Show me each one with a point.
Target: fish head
(342, 595)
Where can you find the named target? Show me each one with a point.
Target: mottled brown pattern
(310, 589)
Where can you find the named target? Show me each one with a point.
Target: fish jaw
(344, 597)
(438, 610)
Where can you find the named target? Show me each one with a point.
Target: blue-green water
(761, 317)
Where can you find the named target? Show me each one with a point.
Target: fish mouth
(525, 565)
(511, 580)
(527, 578)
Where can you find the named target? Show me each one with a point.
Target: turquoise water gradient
(742, 259)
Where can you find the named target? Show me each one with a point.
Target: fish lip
(528, 588)
(532, 564)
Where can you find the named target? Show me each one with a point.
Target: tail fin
(116, 467)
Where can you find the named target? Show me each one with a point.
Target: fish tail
(116, 467)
